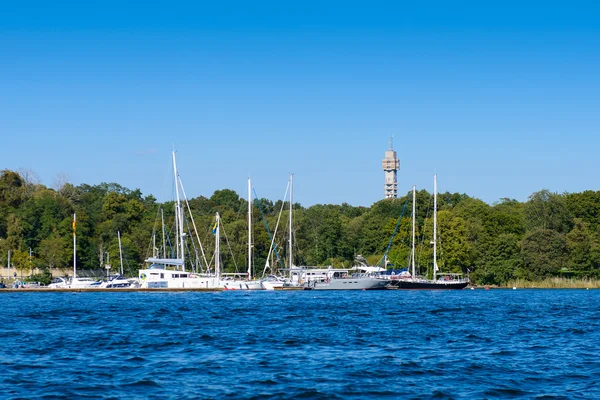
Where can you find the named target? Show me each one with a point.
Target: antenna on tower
(392, 142)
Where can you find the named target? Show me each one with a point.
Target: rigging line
(127, 262)
(154, 230)
(187, 224)
(170, 244)
(276, 227)
(267, 226)
(209, 265)
(193, 222)
(393, 234)
(230, 250)
(422, 238)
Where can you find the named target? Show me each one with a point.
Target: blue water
(298, 344)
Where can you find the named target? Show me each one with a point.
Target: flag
(74, 225)
(214, 229)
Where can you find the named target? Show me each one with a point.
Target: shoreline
(171, 290)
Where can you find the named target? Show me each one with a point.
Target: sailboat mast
(179, 215)
(164, 247)
(413, 230)
(217, 247)
(120, 251)
(249, 229)
(154, 244)
(435, 267)
(74, 246)
(290, 227)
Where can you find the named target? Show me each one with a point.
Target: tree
(11, 188)
(20, 260)
(227, 198)
(456, 252)
(501, 260)
(543, 252)
(55, 251)
(586, 206)
(546, 210)
(583, 246)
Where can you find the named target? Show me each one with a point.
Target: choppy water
(394, 344)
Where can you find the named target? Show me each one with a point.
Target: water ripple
(302, 345)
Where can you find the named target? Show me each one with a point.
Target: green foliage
(44, 277)
(583, 247)
(11, 188)
(546, 210)
(550, 235)
(55, 251)
(544, 253)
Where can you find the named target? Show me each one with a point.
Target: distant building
(391, 165)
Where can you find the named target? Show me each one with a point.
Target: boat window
(184, 275)
(162, 276)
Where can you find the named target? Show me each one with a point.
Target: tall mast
(120, 251)
(154, 244)
(164, 247)
(435, 267)
(179, 215)
(413, 230)
(290, 239)
(249, 229)
(187, 203)
(74, 246)
(217, 247)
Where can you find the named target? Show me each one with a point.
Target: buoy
(472, 288)
(514, 288)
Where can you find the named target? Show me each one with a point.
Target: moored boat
(446, 281)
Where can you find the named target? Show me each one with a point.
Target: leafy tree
(227, 198)
(456, 252)
(586, 206)
(583, 246)
(546, 210)
(543, 252)
(502, 260)
(20, 261)
(55, 250)
(11, 188)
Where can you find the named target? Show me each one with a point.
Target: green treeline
(550, 235)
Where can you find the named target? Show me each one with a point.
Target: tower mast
(290, 228)
(249, 229)
(391, 165)
(414, 214)
(435, 267)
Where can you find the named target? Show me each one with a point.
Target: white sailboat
(252, 284)
(170, 273)
(119, 280)
(79, 283)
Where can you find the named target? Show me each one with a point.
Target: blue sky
(499, 98)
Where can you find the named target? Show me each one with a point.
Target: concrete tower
(391, 165)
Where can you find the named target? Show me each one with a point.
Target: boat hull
(428, 285)
(358, 283)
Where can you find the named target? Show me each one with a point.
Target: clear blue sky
(499, 98)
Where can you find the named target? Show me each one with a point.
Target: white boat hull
(351, 283)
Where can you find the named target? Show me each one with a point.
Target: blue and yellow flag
(214, 229)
